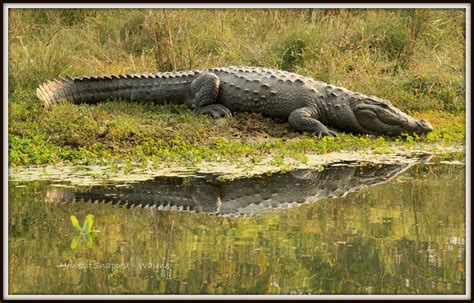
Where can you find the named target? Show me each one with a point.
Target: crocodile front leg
(305, 120)
(202, 96)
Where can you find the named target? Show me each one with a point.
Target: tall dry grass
(415, 58)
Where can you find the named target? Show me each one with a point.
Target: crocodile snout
(424, 126)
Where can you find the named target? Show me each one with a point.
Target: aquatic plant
(87, 232)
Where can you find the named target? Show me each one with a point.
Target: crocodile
(308, 105)
(210, 195)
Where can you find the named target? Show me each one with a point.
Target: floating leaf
(90, 241)
(75, 223)
(75, 242)
(88, 222)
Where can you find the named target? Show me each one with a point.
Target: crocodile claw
(326, 133)
(224, 112)
(215, 111)
(221, 113)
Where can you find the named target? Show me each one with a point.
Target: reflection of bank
(241, 197)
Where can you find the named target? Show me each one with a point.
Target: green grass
(414, 58)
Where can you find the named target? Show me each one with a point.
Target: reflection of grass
(415, 58)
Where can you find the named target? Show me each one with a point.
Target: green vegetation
(415, 58)
(86, 233)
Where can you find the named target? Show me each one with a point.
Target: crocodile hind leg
(305, 120)
(202, 96)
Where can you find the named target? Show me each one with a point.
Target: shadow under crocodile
(241, 197)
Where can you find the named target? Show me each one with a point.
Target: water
(352, 228)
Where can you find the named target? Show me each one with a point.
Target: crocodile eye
(373, 101)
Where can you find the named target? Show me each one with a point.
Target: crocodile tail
(156, 87)
(84, 90)
(75, 90)
(53, 91)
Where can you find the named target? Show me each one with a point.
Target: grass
(415, 58)
(157, 135)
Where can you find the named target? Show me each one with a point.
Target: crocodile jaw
(379, 116)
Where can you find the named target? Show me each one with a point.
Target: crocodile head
(379, 116)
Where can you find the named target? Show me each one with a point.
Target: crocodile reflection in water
(247, 196)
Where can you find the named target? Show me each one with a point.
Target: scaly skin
(308, 105)
(241, 197)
